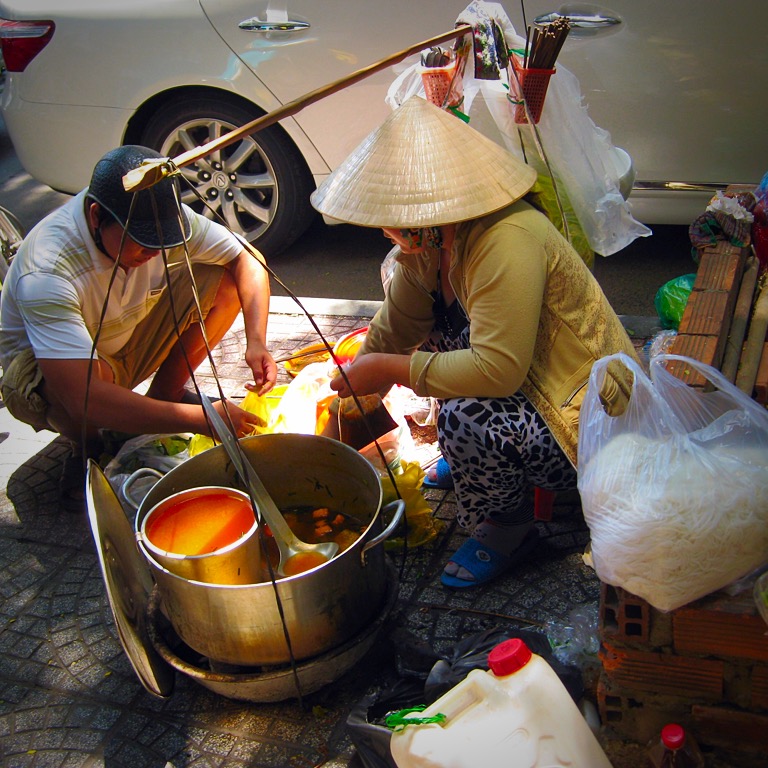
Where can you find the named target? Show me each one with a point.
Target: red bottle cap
(673, 736)
(508, 657)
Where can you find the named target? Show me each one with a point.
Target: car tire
(259, 185)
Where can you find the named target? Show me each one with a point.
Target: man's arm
(110, 406)
(252, 281)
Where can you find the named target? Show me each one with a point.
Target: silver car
(677, 84)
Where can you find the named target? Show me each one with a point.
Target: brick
(731, 728)
(735, 736)
(637, 717)
(623, 616)
(719, 272)
(702, 348)
(724, 248)
(759, 699)
(707, 313)
(626, 619)
(663, 673)
(719, 633)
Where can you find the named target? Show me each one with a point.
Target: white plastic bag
(594, 175)
(157, 453)
(675, 489)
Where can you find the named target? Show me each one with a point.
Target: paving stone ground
(69, 696)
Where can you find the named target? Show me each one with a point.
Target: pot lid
(127, 580)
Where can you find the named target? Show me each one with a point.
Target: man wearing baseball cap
(99, 298)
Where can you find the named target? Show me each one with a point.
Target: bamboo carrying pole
(152, 171)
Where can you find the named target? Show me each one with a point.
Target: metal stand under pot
(266, 684)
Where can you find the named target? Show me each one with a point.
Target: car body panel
(43, 111)
(341, 39)
(675, 83)
(678, 85)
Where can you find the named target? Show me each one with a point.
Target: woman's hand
(375, 372)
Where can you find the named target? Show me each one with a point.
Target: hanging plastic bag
(675, 489)
(593, 175)
(423, 527)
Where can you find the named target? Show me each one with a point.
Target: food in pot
(199, 525)
(315, 526)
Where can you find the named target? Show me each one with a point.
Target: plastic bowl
(347, 346)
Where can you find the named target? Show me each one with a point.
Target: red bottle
(675, 749)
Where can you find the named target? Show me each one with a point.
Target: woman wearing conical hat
(489, 310)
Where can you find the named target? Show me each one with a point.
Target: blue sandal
(486, 564)
(443, 480)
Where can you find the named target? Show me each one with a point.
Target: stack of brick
(705, 328)
(704, 665)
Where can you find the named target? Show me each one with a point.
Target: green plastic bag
(671, 299)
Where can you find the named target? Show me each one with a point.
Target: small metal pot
(239, 562)
(322, 608)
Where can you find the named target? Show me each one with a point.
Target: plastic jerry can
(516, 715)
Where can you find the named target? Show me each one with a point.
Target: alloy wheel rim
(237, 182)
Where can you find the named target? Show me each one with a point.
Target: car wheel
(259, 185)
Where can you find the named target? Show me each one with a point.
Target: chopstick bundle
(542, 47)
(531, 77)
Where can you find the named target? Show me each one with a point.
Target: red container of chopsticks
(529, 88)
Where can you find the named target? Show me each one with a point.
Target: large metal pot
(323, 607)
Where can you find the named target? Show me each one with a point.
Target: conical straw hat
(422, 167)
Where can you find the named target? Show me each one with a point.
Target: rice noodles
(672, 520)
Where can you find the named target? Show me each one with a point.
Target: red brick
(707, 313)
(719, 272)
(637, 717)
(761, 381)
(732, 728)
(705, 349)
(725, 248)
(759, 687)
(663, 673)
(623, 617)
(719, 633)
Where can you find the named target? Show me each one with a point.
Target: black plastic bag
(365, 722)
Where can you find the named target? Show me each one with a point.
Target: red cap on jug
(508, 657)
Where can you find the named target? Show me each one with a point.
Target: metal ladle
(288, 544)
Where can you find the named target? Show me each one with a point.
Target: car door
(674, 83)
(313, 43)
(678, 84)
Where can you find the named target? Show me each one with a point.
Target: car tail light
(21, 41)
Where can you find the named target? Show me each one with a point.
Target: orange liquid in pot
(303, 561)
(200, 524)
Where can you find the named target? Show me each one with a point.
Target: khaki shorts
(142, 355)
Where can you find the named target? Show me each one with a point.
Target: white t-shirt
(53, 297)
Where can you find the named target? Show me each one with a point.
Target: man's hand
(263, 367)
(244, 423)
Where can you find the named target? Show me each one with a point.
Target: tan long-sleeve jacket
(538, 320)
